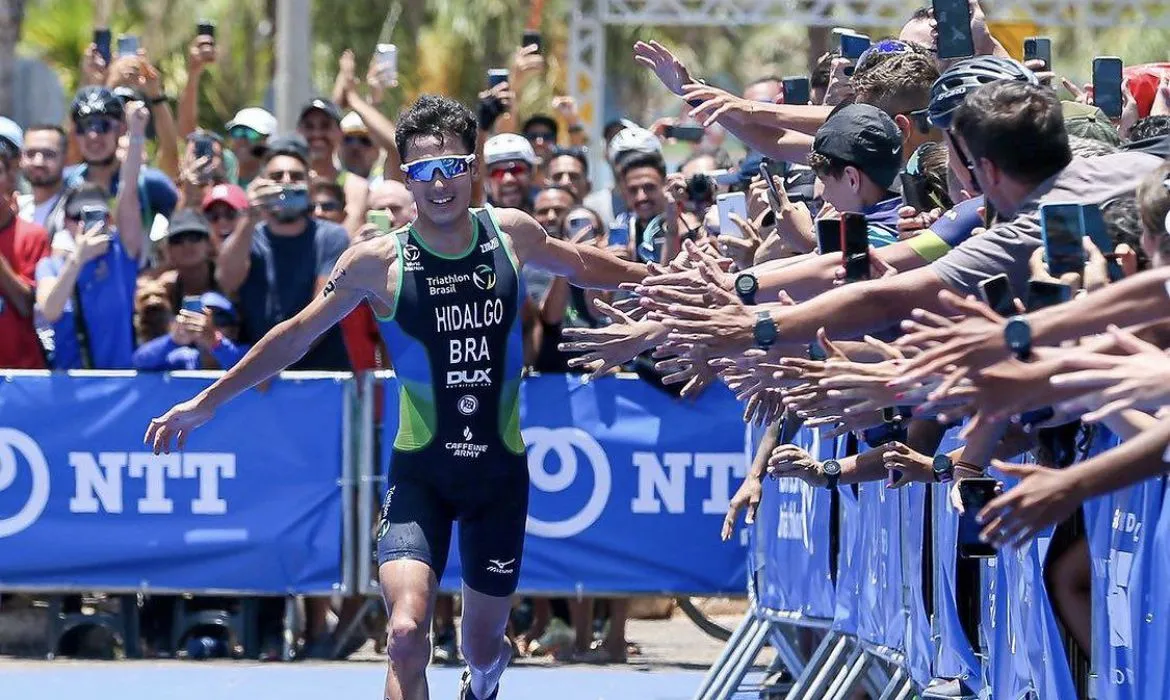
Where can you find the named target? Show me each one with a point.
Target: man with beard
(42, 162)
(98, 120)
(509, 160)
(22, 245)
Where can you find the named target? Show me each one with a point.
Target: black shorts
(420, 508)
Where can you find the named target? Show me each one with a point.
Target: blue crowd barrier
(879, 602)
(252, 504)
(629, 488)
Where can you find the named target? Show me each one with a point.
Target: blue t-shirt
(954, 227)
(282, 280)
(883, 221)
(162, 354)
(160, 194)
(106, 288)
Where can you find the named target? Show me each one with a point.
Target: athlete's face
(440, 200)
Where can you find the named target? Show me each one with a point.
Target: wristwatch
(746, 286)
(944, 468)
(158, 100)
(765, 330)
(831, 468)
(1017, 334)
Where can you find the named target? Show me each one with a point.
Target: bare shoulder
(518, 223)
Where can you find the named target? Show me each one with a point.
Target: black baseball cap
(323, 105)
(188, 221)
(289, 145)
(864, 137)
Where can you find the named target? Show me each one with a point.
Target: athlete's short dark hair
(438, 116)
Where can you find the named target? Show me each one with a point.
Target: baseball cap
(231, 195)
(324, 105)
(255, 118)
(95, 100)
(865, 137)
(505, 147)
(633, 138)
(1088, 122)
(289, 145)
(82, 197)
(218, 302)
(182, 221)
(353, 124)
(11, 132)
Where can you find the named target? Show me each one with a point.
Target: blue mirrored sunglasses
(428, 169)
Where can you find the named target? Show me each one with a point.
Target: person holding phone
(187, 249)
(857, 155)
(22, 245)
(448, 294)
(201, 337)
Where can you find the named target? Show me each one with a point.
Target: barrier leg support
(734, 674)
(849, 680)
(731, 658)
(787, 654)
(895, 687)
(836, 647)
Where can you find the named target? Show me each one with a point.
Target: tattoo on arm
(331, 285)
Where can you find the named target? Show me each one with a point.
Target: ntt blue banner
(629, 488)
(253, 503)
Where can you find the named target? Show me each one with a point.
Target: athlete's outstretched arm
(583, 265)
(358, 271)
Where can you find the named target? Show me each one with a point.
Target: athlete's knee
(483, 649)
(408, 642)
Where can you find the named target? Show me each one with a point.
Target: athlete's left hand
(176, 423)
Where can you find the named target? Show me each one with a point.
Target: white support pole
(293, 42)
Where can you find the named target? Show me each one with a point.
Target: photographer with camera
(279, 257)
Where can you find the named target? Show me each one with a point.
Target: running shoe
(465, 688)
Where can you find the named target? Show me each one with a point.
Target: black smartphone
(828, 236)
(914, 192)
(1099, 235)
(997, 293)
(495, 76)
(205, 27)
(202, 146)
(816, 352)
(774, 194)
(102, 39)
(1107, 85)
(953, 18)
(1041, 295)
(532, 38)
(853, 45)
(691, 133)
(975, 494)
(1063, 229)
(797, 90)
(92, 216)
(855, 246)
(1038, 48)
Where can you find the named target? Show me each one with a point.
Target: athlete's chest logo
(484, 277)
(410, 257)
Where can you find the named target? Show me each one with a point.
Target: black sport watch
(746, 286)
(944, 468)
(1017, 335)
(765, 331)
(831, 468)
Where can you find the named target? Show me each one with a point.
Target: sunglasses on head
(248, 134)
(97, 125)
(358, 141)
(448, 167)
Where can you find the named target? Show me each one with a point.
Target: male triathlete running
(448, 292)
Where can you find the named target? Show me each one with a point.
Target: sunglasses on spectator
(427, 169)
(291, 175)
(186, 237)
(540, 136)
(514, 169)
(97, 125)
(358, 141)
(883, 47)
(247, 134)
(327, 205)
(215, 215)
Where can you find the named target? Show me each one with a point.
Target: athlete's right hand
(176, 423)
(748, 496)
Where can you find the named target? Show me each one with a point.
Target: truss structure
(589, 18)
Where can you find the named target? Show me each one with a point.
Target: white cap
(633, 138)
(505, 147)
(255, 118)
(353, 124)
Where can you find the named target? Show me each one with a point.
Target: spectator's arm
(127, 209)
(556, 300)
(1129, 302)
(381, 131)
(235, 256)
(15, 289)
(815, 274)
(54, 290)
(151, 356)
(164, 122)
(357, 192)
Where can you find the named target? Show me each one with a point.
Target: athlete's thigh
(415, 525)
(492, 517)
